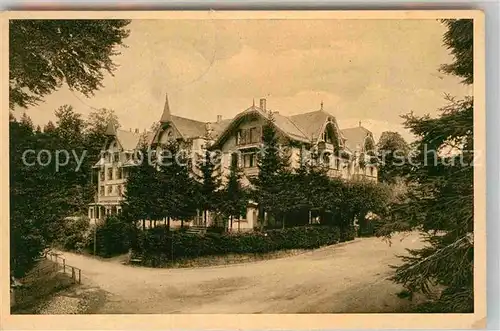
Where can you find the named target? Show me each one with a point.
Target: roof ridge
(295, 124)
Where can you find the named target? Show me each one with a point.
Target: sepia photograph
(245, 163)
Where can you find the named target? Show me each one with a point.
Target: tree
(177, 187)
(49, 127)
(208, 176)
(234, 199)
(392, 154)
(98, 121)
(440, 203)
(459, 39)
(95, 131)
(39, 195)
(270, 186)
(44, 54)
(142, 196)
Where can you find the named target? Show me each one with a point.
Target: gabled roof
(188, 128)
(282, 123)
(311, 123)
(128, 140)
(289, 127)
(219, 127)
(355, 137)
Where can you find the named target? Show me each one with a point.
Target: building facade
(342, 151)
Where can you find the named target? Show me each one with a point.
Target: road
(349, 277)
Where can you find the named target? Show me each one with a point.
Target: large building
(239, 137)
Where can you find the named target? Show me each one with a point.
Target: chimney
(219, 118)
(136, 130)
(130, 129)
(359, 123)
(263, 104)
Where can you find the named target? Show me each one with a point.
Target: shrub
(73, 234)
(113, 237)
(158, 246)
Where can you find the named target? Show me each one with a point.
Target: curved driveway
(349, 277)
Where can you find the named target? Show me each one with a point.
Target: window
(116, 156)
(326, 159)
(234, 159)
(119, 173)
(255, 135)
(120, 190)
(248, 136)
(101, 175)
(371, 171)
(249, 160)
(127, 156)
(110, 173)
(337, 164)
(110, 189)
(101, 191)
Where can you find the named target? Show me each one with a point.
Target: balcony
(251, 172)
(325, 146)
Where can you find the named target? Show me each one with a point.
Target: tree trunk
(168, 224)
(283, 221)
(231, 225)
(182, 224)
(143, 225)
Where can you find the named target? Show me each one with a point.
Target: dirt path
(349, 277)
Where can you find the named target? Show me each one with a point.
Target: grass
(41, 283)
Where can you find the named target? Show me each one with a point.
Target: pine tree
(234, 197)
(177, 187)
(210, 182)
(141, 199)
(440, 203)
(271, 187)
(392, 154)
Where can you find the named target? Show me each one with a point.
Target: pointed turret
(166, 116)
(111, 129)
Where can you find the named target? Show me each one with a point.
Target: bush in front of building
(159, 246)
(73, 233)
(113, 237)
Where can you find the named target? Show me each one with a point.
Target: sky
(371, 71)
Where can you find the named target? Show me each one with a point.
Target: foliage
(392, 153)
(142, 200)
(439, 199)
(73, 235)
(45, 53)
(208, 190)
(177, 188)
(42, 195)
(112, 237)
(270, 186)
(158, 246)
(459, 39)
(233, 197)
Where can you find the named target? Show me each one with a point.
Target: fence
(76, 273)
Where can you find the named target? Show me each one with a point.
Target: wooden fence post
(73, 276)
(64, 265)
(79, 276)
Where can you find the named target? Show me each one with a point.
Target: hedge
(157, 246)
